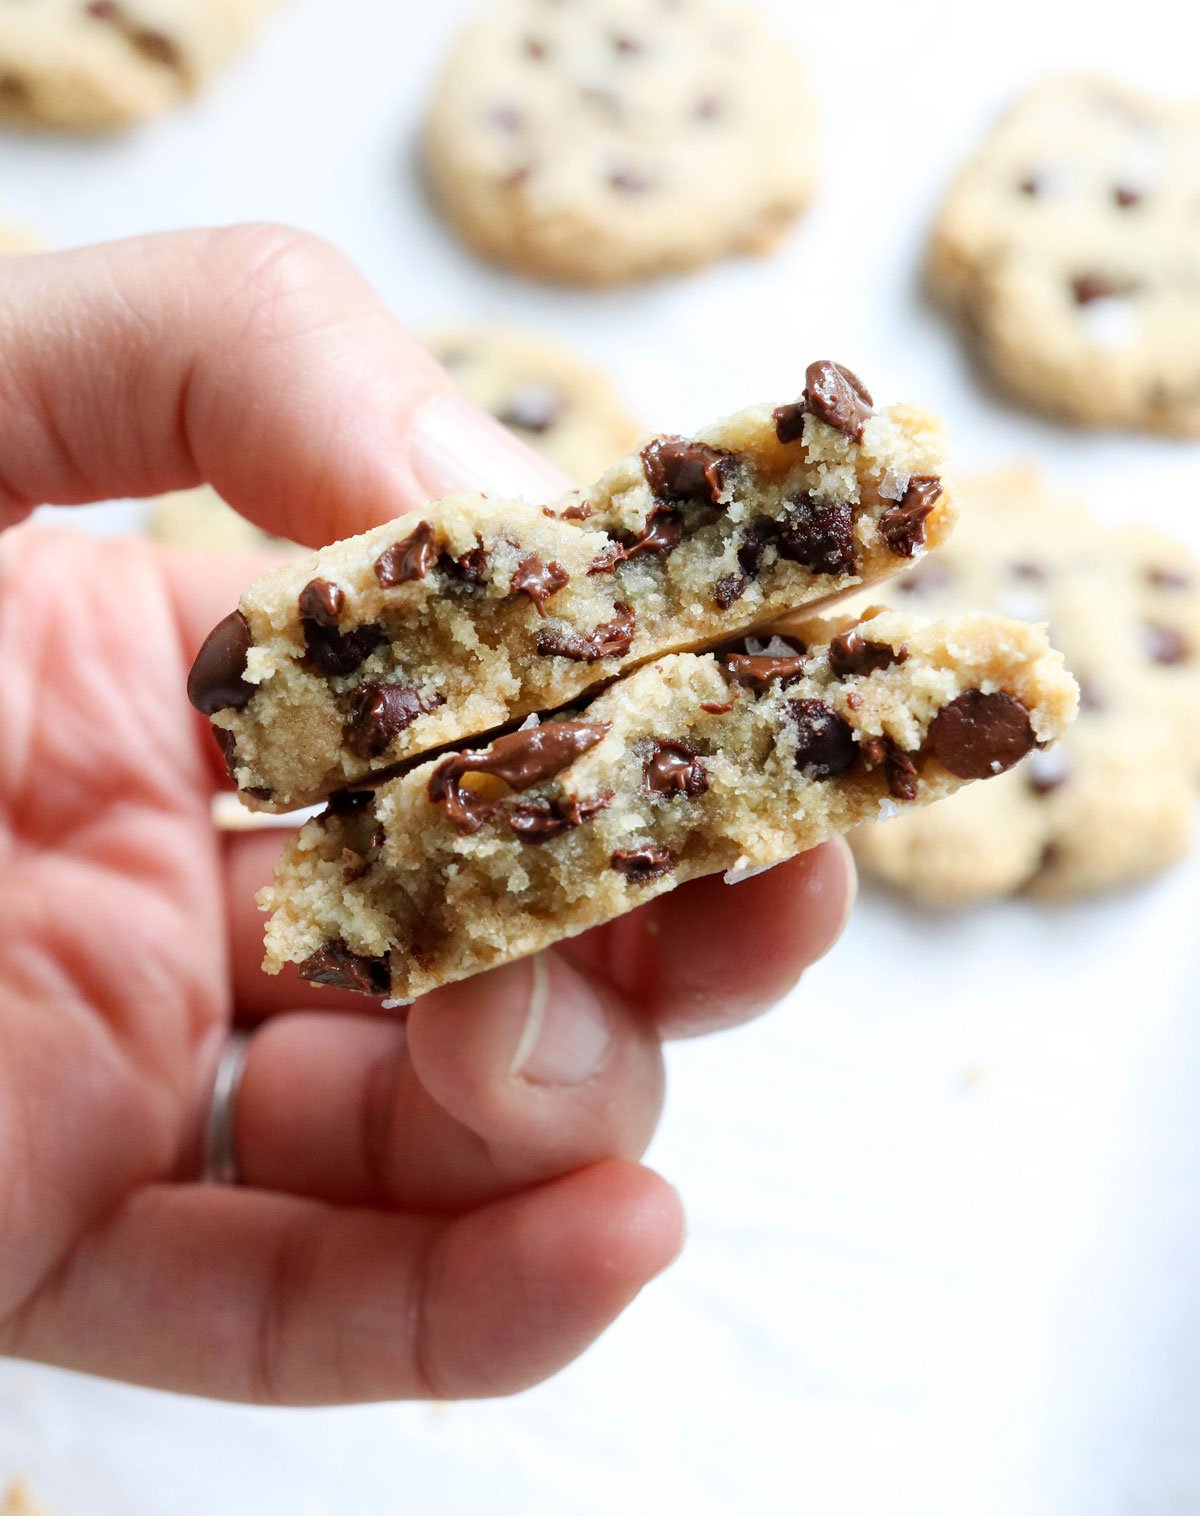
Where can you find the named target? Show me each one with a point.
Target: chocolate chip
(662, 533)
(1031, 186)
(519, 759)
(578, 512)
(535, 48)
(930, 579)
(1090, 696)
(675, 768)
(508, 119)
(789, 421)
(14, 89)
(337, 654)
(758, 670)
(902, 526)
(1168, 579)
(354, 868)
(532, 408)
(227, 742)
(322, 602)
(379, 713)
(709, 108)
(607, 559)
(1033, 573)
(899, 768)
(335, 965)
(1046, 771)
(628, 181)
(611, 639)
(103, 10)
(825, 745)
(346, 803)
(979, 735)
(215, 682)
(157, 46)
(469, 569)
(838, 397)
(728, 591)
(1089, 287)
(818, 534)
(851, 653)
(543, 820)
(678, 469)
(538, 580)
(1124, 196)
(716, 708)
(761, 531)
(408, 560)
(1164, 644)
(627, 45)
(642, 864)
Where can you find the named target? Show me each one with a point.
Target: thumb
(254, 358)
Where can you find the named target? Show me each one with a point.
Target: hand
(446, 1207)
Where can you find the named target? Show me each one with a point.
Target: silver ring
(220, 1136)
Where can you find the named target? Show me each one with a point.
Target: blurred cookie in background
(1069, 247)
(90, 65)
(560, 404)
(611, 140)
(1114, 801)
(17, 239)
(201, 521)
(17, 1501)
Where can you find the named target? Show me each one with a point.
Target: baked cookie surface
(560, 404)
(691, 765)
(609, 140)
(475, 613)
(1069, 247)
(94, 64)
(1123, 605)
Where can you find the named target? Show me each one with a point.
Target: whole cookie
(1069, 245)
(599, 141)
(92, 64)
(558, 403)
(1115, 800)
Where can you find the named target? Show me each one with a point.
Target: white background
(945, 1201)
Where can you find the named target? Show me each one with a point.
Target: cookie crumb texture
(1115, 801)
(91, 65)
(695, 764)
(601, 141)
(476, 612)
(1069, 246)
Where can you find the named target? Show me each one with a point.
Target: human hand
(446, 1207)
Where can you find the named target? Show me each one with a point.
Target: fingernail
(455, 448)
(566, 1035)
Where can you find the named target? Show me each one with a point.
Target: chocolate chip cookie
(731, 760)
(561, 405)
(17, 1501)
(201, 521)
(476, 612)
(88, 65)
(1115, 801)
(610, 140)
(1069, 246)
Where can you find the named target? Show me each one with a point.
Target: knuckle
(265, 264)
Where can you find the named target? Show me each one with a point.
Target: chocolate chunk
(607, 559)
(346, 803)
(902, 526)
(818, 534)
(611, 639)
(543, 820)
(532, 408)
(379, 714)
(642, 864)
(1124, 196)
(662, 533)
(157, 46)
(1031, 186)
(1046, 772)
(789, 421)
(851, 653)
(103, 10)
(838, 397)
(578, 512)
(930, 579)
(716, 708)
(709, 108)
(519, 759)
(538, 580)
(623, 43)
(675, 768)
(761, 531)
(337, 654)
(1033, 573)
(215, 682)
(728, 591)
(354, 868)
(979, 735)
(335, 965)
(1168, 579)
(678, 469)
(825, 745)
(14, 89)
(322, 602)
(408, 560)
(535, 47)
(1164, 644)
(758, 670)
(227, 742)
(1089, 287)
(470, 569)
(899, 769)
(628, 181)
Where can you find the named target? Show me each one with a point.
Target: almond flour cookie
(200, 521)
(692, 765)
(609, 140)
(1070, 247)
(1124, 607)
(559, 404)
(477, 612)
(88, 65)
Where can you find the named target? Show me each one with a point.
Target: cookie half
(1115, 801)
(1069, 246)
(610, 140)
(477, 612)
(692, 765)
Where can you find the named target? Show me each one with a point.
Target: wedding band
(220, 1136)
